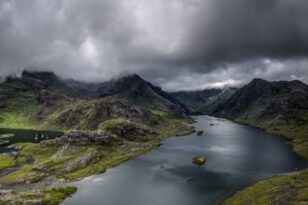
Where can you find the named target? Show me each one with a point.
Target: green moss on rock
(286, 189)
(199, 160)
(44, 196)
(6, 161)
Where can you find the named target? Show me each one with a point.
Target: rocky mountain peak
(39, 75)
(132, 77)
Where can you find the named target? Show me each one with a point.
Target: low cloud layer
(177, 44)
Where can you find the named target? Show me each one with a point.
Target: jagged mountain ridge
(265, 98)
(141, 92)
(132, 88)
(196, 99)
(215, 101)
(277, 107)
(43, 101)
(204, 101)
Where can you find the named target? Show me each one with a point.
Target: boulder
(127, 129)
(199, 160)
(100, 137)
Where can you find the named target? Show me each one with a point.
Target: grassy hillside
(277, 107)
(45, 196)
(288, 126)
(287, 189)
(24, 107)
(28, 106)
(117, 129)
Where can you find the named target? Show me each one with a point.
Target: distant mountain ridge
(215, 101)
(265, 98)
(128, 106)
(278, 107)
(49, 80)
(132, 88)
(141, 92)
(204, 100)
(195, 99)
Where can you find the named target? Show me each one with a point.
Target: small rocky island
(199, 160)
(4, 139)
(199, 133)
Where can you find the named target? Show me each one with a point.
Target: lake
(237, 155)
(20, 135)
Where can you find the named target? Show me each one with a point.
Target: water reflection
(236, 154)
(26, 136)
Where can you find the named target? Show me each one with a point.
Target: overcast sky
(177, 44)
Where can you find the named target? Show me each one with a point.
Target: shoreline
(152, 146)
(136, 149)
(277, 180)
(231, 194)
(287, 139)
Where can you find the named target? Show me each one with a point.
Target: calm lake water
(26, 136)
(237, 155)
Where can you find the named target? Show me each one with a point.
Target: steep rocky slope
(142, 93)
(104, 124)
(216, 100)
(204, 101)
(196, 99)
(278, 107)
(44, 101)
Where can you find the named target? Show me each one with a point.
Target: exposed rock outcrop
(261, 99)
(46, 97)
(127, 129)
(141, 92)
(83, 138)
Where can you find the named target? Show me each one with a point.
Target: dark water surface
(26, 136)
(237, 155)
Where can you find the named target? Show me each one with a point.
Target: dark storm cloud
(178, 44)
(237, 29)
(236, 74)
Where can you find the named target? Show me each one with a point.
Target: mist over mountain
(277, 107)
(132, 88)
(88, 84)
(177, 45)
(196, 99)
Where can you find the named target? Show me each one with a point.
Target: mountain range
(42, 100)
(204, 101)
(277, 107)
(107, 123)
(131, 87)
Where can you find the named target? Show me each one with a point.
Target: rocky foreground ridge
(103, 124)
